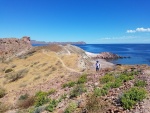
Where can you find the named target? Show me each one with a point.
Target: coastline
(136, 54)
(103, 62)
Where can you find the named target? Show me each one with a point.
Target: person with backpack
(97, 66)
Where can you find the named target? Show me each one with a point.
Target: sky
(92, 21)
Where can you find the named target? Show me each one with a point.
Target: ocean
(138, 53)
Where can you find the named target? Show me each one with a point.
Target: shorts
(97, 69)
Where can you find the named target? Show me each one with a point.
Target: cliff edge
(10, 47)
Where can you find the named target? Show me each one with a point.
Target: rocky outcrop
(108, 55)
(10, 47)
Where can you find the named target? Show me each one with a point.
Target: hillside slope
(62, 79)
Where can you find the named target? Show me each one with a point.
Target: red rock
(10, 47)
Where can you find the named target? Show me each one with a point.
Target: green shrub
(71, 108)
(97, 92)
(100, 92)
(41, 98)
(2, 92)
(133, 73)
(117, 83)
(107, 86)
(82, 79)
(132, 96)
(107, 78)
(8, 70)
(39, 109)
(23, 97)
(104, 92)
(53, 103)
(125, 77)
(140, 83)
(62, 97)
(69, 84)
(51, 91)
(78, 90)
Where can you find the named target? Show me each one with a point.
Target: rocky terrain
(108, 55)
(10, 47)
(62, 79)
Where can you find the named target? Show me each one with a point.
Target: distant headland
(63, 43)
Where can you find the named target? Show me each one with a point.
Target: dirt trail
(70, 69)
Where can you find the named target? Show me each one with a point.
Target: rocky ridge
(10, 47)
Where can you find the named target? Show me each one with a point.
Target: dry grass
(71, 61)
(4, 107)
(2, 92)
(54, 47)
(11, 77)
(18, 80)
(36, 78)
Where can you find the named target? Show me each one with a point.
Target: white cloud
(118, 38)
(131, 31)
(139, 30)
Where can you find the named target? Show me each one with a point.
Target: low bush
(100, 92)
(82, 79)
(132, 96)
(23, 97)
(25, 101)
(36, 78)
(97, 92)
(39, 109)
(8, 70)
(2, 92)
(140, 83)
(107, 78)
(78, 90)
(69, 84)
(71, 108)
(125, 77)
(53, 103)
(96, 104)
(3, 107)
(41, 98)
(51, 91)
(117, 83)
(11, 77)
(104, 92)
(133, 73)
(107, 86)
(64, 96)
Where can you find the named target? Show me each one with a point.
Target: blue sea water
(39, 44)
(138, 53)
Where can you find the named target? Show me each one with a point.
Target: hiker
(97, 65)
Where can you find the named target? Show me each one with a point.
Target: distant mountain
(43, 42)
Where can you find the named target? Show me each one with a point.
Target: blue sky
(92, 21)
